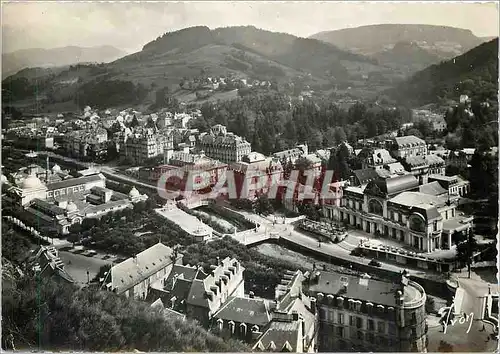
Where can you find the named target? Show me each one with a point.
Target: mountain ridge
(54, 57)
(474, 73)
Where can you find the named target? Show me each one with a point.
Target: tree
(340, 135)
(263, 206)
(415, 132)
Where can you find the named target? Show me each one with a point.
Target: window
(392, 328)
(359, 322)
(417, 223)
(370, 337)
(396, 216)
(351, 320)
(371, 325)
(340, 318)
(340, 332)
(392, 215)
(381, 327)
(375, 207)
(359, 335)
(435, 225)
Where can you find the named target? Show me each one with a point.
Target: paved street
(77, 265)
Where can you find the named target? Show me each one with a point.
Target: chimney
(313, 306)
(47, 171)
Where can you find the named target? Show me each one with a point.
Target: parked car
(374, 263)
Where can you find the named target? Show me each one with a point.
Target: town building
(395, 208)
(92, 143)
(421, 166)
(45, 261)
(375, 158)
(134, 276)
(139, 147)
(55, 206)
(291, 155)
(454, 185)
(358, 314)
(256, 174)
(406, 146)
(223, 146)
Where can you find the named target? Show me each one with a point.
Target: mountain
(474, 73)
(194, 54)
(368, 40)
(37, 57)
(407, 57)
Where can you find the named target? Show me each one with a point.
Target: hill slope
(37, 57)
(371, 39)
(474, 73)
(198, 52)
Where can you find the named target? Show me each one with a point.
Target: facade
(133, 276)
(406, 146)
(375, 158)
(86, 143)
(357, 313)
(224, 146)
(145, 145)
(455, 185)
(394, 208)
(291, 155)
(255, 174)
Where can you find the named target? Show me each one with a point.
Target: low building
(45, 261)
(357, 313)
(134, 276)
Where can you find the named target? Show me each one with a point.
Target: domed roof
(31, 182)
(134, 193)
(56, 168)
(71, 207)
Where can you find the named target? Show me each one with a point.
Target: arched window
(417, 223)
(375, 207)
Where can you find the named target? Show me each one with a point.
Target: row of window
(358, 322)
(64, 191)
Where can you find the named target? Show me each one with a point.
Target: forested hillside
(474, 73)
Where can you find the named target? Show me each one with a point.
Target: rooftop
(409, 141)
(432, 188)
(135, 269)
(71, 182)
(187, 222)
(363, 289)
(245, 310)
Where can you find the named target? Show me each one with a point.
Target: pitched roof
(245, 310)
(416, 161)
(134, 270)
(433, 188)
(366, 175)
(280, 336)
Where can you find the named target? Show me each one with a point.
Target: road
(469, 335)
(77, 266)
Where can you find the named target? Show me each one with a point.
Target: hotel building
(360, 314)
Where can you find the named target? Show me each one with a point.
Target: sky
(130, 25)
